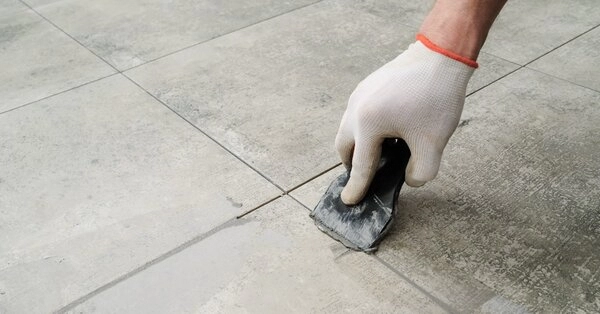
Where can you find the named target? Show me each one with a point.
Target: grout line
(561, 45)
(498, 57)
(242, 215)
(178, 50)
(206, 134)
(58, 93)
(232, 222)
(439, 302)
(168, 107)
(300, 203)
(160, 258)
(313, 177)
(562, 79)
(526, 65)
(69, 35)
(494, 81)
(221, 35)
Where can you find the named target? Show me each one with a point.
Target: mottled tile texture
(271, 261)
(274, 93)
(96, 182)
(517, 226)
(129, 33)
(578, 61)
(119, 192)
(37, 60)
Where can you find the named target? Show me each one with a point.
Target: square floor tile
(511, 221)
(38, 60)
(97, 181)
(577, 61)
(274, 93)
(525, 30)
(271, 261)
(129, 33)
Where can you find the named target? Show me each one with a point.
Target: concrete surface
(39, 60)
(120, 186)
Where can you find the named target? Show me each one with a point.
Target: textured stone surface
(526, 30)
(515, 228)
(274, 93)
(129, 33)
(577, 61)
(99, 180)
(271, 261)
(10, 8)
(110, 202)
(37, 60)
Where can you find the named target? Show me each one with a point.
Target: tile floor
(163, 156)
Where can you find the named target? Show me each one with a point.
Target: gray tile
(577, 61)
(37, 60)
(516, 183)
(129, 33)
(575, 267)
(526, 30)
(272, 261)
(511, 222)
(274, 93)
(99, 180)
(407, 12)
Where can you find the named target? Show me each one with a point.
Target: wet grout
(242, 215)
(313, 177)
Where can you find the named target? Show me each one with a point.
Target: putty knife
(361, 227)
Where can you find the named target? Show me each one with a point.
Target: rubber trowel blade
(361, 227)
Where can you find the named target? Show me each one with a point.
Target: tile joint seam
(157, 260)
(164, 104)
(406, 279)
(402, 277)
(144, 63)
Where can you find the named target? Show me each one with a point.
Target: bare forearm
(461, 26)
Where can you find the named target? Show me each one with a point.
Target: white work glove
(418, 97)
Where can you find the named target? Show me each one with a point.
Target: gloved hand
(418, 97)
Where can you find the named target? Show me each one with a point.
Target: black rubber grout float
(361, 227)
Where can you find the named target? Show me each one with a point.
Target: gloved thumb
(364, 165)
(423, 164)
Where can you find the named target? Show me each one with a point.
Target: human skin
(461, 26)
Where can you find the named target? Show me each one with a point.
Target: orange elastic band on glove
(447, 53)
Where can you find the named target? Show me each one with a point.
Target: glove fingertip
(349, 196)
(414, 182)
